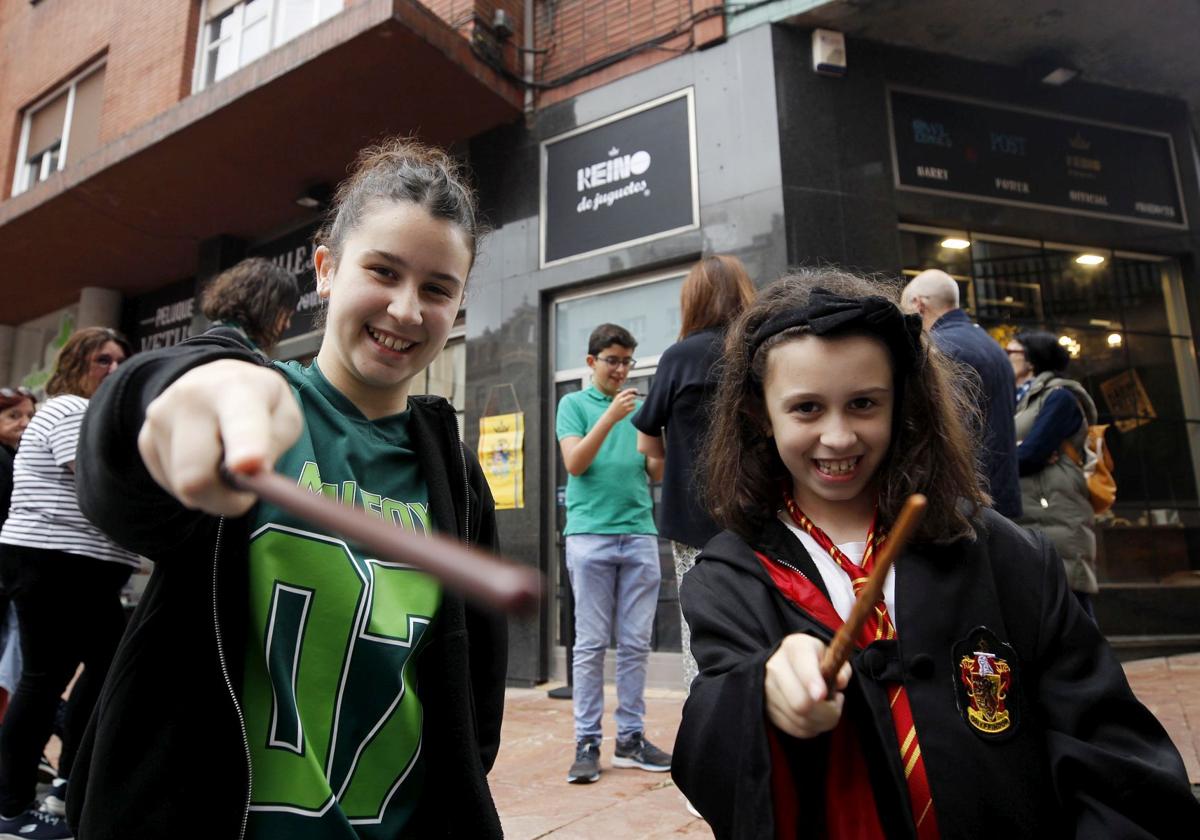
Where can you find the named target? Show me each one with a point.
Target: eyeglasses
(104, 360)
(617, 361)
(13, 393)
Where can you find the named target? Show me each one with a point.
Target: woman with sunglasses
(64, 578)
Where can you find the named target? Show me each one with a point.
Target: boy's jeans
(615, 577)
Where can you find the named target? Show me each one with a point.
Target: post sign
(162, 317)
(623, 180)
(995, 153)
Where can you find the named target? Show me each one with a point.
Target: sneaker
(587, 762)
(56, 799)
(34, 825)
(636, 751)
(46, 771)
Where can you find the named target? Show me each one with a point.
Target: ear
(591, 361)
(323, 263)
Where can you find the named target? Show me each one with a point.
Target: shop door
(649, 309)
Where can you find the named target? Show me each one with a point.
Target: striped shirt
(44, 512)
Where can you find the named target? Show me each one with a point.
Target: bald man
(933, 295)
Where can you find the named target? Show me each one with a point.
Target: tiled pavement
(535, 802)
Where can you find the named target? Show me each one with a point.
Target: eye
(806, 407)
(439, 290)
(382, 271)
(862, 404)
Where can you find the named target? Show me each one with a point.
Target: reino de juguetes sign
(620, 181)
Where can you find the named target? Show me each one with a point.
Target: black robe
(1081, 756)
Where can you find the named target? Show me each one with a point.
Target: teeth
(841, 467)
(389, 342)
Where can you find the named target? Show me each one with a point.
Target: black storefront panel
(162, 317)
(625, 179)
(996, 153)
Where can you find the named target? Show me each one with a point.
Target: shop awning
(233, 158)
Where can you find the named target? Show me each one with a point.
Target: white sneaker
(56, 799)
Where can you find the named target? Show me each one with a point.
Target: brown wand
(842, 646)
(476, 574)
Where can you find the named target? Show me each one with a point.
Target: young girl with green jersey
(276, 681)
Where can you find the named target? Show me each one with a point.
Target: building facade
(614, 144)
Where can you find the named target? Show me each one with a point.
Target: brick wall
(148, 48)
(473, 19)
(579, 33)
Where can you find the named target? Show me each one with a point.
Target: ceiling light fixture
(955, 244)
(1115, 340)
(313, 197)
(1089, 259)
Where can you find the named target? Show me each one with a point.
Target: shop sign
(995, 153)
(620, 181)
(294, 252)
(163, 317)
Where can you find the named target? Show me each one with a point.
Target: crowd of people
(320, 692)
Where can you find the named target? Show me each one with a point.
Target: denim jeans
(615, 578)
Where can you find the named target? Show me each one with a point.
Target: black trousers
(69, 611)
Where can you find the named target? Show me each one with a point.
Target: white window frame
(204, 48)
(21, 181)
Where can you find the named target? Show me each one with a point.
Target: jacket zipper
(229, 682)
(462, 454)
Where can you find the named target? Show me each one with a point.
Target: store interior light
(1115, 340)
(1089, 259)
(955, 244)
(1072, 346)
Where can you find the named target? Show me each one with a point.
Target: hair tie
(828, 314)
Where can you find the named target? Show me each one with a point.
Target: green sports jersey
(330, 695)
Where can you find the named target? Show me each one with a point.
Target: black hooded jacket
(1081, 758)
(165, 752)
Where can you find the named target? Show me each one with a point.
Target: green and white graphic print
(330, 695)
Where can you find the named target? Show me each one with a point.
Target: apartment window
(63, 127)
(237, 33)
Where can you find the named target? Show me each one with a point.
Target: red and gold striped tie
(880, 626)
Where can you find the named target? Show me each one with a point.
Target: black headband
(828, 314)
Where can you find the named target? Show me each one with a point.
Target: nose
(405, 305)
(838, 432)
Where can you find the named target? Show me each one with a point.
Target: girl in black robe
(982, 701)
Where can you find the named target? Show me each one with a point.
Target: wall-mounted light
(1115, 340)
(1059, 76)
(313, 197)
(1089, 259)
(955, 244)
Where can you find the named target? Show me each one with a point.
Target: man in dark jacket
(933, 295)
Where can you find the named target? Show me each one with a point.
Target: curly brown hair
(74, 361)
(254, 294)
(931, 450)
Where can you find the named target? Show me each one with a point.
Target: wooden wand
(842, 646)
(476, 574)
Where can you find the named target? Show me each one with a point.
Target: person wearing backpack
(1053, 414)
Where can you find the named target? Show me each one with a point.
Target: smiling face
(610, 368)
(393, 297)
(829, 404)
(13, 421)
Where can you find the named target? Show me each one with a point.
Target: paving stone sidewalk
(535, 802)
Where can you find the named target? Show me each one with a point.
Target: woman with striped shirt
(65, 578)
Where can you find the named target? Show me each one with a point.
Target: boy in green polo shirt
(612, 554)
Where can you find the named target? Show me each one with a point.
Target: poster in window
(502, 456)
